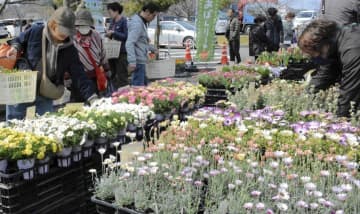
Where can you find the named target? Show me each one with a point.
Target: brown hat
(84, 18)
(65, 18)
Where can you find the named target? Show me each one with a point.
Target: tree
(8, 2)
(186, 8)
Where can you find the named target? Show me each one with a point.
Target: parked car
(304, 17)
(174, 33)
(4, 33)
(221, 23)
(13, 26)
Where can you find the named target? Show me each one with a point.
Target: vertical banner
(96, 9)
(207, 14)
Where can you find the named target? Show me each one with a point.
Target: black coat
(275, 32)
(343, 67)
(258, 41)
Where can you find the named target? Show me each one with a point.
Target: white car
(304, 17)
(174, 33)
(221, 23)
(4, 33)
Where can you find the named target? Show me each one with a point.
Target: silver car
(174, 33)
(221, 23)
(4, 33)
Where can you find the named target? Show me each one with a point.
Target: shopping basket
(17, 87)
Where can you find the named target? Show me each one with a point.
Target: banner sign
(207, 15)
(96, 9)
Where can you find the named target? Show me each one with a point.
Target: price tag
(74, 106)
(31, 112)
(128, 151)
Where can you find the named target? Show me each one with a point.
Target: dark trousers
(234, 46)
(119, 72)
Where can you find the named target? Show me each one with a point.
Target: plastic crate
(112, 48)
(18, 196)
(18, 87)
(104, 207)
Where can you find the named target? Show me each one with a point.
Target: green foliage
(134, 6)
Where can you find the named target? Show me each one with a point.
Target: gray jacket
(137, 44)
(233, 29)
(343, 12)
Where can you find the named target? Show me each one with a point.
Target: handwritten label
(31, 112)
(128, 151)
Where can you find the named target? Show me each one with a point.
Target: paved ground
(180, 53)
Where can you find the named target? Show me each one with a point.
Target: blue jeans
(18, 111)
(138, 77)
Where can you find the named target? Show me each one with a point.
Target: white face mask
(84, 30)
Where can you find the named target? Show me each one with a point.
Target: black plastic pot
(104, 207)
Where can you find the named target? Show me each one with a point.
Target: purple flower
(279, 113)
(269, 211)
(214, 172)
(313, 125)
(299, 129)
(228, 122)
(304, 113)
(198, 183)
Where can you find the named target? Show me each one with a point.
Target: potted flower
(25, 148)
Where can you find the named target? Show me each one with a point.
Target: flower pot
(27, 165)
(159, 117)
(89, 143)
(88, 148)
(122, 132)
(101, 140)
(44, 166)
(131, 127)
(168, 116)
(77, 154)
(139, 134)
(3, 165)
(64, 157)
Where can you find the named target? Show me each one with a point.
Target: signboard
(96, 9)
(207, 14)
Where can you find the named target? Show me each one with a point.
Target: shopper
(59, 56)
(336, 51)
(90, 46)
(118, 30)
(343, 12)
(274, 29)
(233, 37)
(289, 31)
(137, 45)
(257, 37)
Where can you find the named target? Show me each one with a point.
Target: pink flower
(172, 96)
(115, 100)
(132, 99)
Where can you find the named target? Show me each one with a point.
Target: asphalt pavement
(180, 53)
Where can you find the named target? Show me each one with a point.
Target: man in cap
(60, 56)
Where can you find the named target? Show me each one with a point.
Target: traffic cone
(224, 58)
(188, 58)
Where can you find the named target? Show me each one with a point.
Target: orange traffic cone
(224, 58)
(188, 58)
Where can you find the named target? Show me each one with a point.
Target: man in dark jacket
(61, 57)
(274, 30)
(118, 30)
(336, 51)
(257, 37)
(343, 12)
(233, 37)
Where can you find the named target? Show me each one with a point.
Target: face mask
(84, 31)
